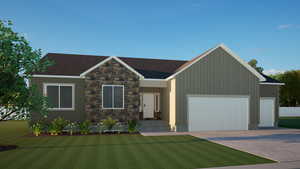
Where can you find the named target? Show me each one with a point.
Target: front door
(148, 103)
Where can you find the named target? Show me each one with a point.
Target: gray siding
(216, 74)
(78, 114)
(271, 91)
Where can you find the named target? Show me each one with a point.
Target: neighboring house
(214, 91)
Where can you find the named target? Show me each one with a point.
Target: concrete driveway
(281, 145)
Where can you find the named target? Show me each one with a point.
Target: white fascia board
(267, 83)
(108, 59)
(57, 76)
(245, 64)
(154, 79)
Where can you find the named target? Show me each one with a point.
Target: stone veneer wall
(112, 72)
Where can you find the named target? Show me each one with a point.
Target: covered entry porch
(153, 114)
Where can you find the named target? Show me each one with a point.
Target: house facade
(214, 91)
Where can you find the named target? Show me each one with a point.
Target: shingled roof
(74, 65)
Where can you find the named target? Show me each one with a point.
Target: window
(157, 102)
(60, 96)
(112, 96)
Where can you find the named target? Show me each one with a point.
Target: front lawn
(114, 152)
(289, 122)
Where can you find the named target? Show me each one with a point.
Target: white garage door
(267, 111)
(218, 113)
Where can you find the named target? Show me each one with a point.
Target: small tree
(253, 63)
(290, 92)
(18, 61)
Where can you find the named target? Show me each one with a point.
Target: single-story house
(216, 90)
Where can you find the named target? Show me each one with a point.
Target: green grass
(289, 122)
(114, 152)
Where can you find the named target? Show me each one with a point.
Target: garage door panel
(267, 112)
(217, 113)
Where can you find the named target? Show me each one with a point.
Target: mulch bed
(89, 134)
(7, 147)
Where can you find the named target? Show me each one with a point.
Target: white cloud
(284, 26)
(272, 71)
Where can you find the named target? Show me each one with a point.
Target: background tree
(253, 63)
(290, 92)
(18, 61)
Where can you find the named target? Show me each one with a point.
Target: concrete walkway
(281, 165)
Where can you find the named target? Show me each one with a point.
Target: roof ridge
(126, 57)
(150, 58)
(75, 54)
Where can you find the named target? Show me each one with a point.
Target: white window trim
(113, 97)
(61, 84)
(157, 107)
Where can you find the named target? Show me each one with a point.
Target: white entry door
(148, 103)
(267, 112)
(211, 113)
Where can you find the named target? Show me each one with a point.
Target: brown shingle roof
(74, 65)
(70, 64)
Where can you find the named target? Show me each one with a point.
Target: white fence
(289, 111)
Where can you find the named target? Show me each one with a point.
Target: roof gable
(205, 54)
(108, 59)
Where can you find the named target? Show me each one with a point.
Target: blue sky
(266, 30)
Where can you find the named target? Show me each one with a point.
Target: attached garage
(267, 112)
(209, 113)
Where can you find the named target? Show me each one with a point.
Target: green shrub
(36, 129)
(59, 123)
(44, 124)
(84, 127)
(109, 123)
(132, 126)
(53, 129)
(100, 127)
(71, 127)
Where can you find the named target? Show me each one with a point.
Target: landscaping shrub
(71, 127)
(100, 127)
(60, 123)
(53, 129)
(57, 125)
(44, 124)
(109, 123)
(132, 126)
(36, 129)
(84, 127)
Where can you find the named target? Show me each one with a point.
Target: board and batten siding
(216, 74)
(78, 114)
(271, 91)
